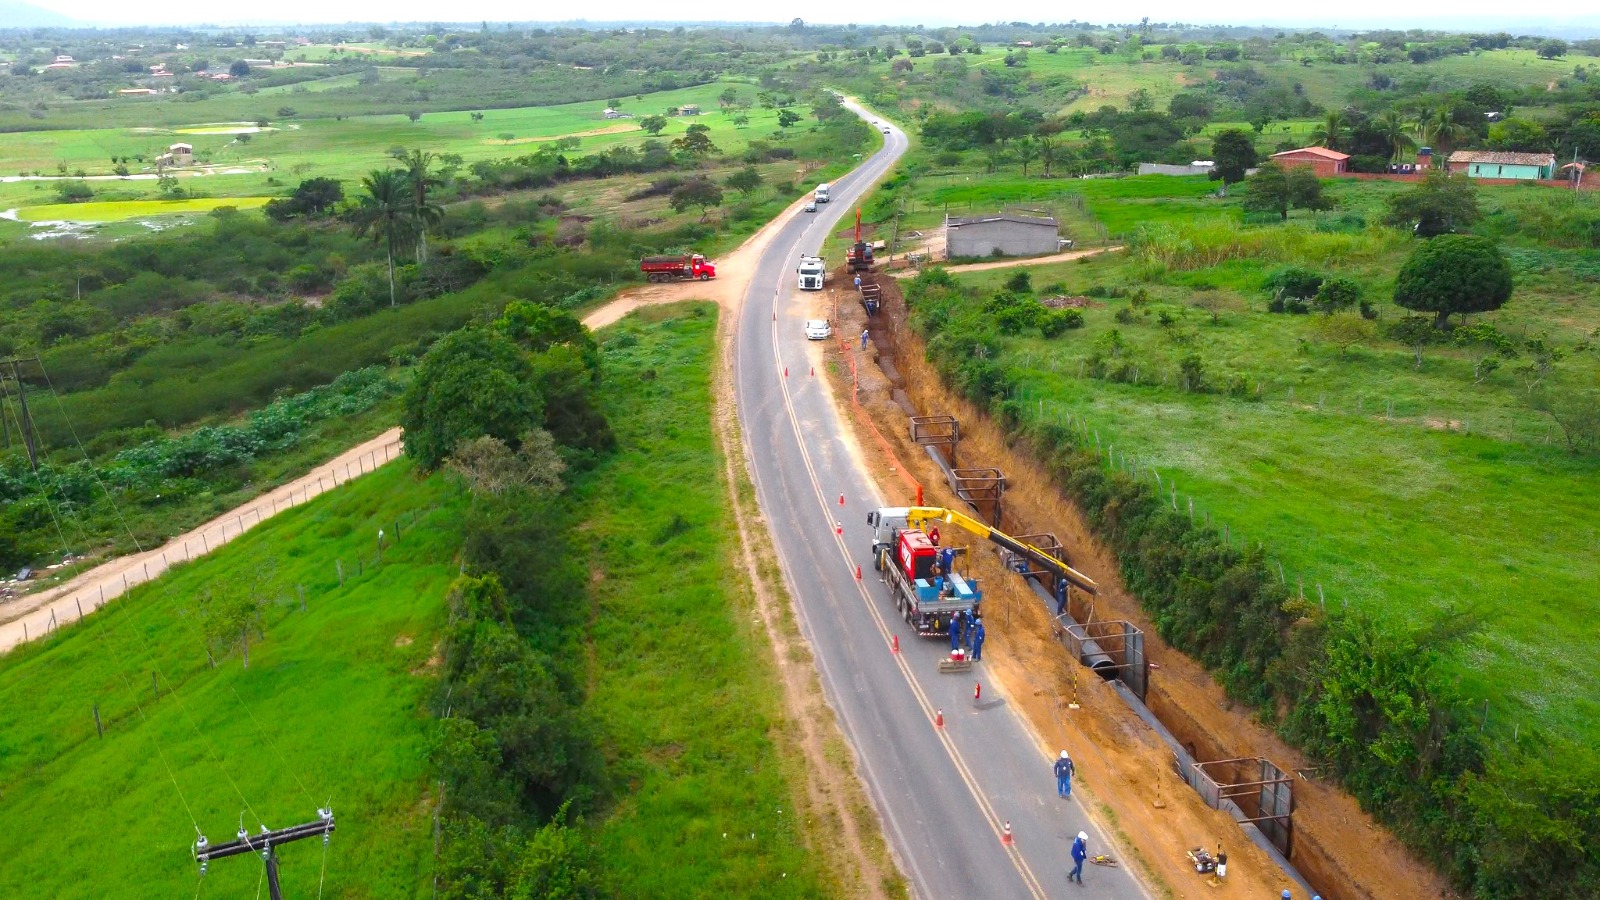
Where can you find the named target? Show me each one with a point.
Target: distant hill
(23, 15)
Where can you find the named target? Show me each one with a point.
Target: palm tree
(1027, 151)
(418, 164)
(1437, 128)
(1329, 132)
(385, 212)
(1392, 126)
(1049, 149)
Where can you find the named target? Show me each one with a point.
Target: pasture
(1409, 491)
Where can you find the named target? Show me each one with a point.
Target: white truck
(813, 273)
(821, 193)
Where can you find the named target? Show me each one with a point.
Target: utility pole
(25, 421)
(266, 844)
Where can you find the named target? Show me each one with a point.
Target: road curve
(946, 793)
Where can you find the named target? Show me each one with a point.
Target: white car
(885, 129)
(811, 206)
(818, 330)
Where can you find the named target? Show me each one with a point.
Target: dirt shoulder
(1069, 256)
(1339, 848)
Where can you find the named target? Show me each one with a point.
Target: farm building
(1006, 233)
(1326, 163)
(1500, 164)
(689, 110)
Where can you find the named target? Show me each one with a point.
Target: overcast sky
(1460, 15)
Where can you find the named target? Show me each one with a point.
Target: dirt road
(35, 614)
(1069, 256)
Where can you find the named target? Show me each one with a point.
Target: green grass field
(687, 700)
(351, 147)
(1412, 493)
(329, 710)
(331, 704)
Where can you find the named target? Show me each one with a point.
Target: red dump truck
(670, 268)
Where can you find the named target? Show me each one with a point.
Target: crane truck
(905, 546)
(813, 273)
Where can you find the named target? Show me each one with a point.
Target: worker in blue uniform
(977, 641)
(955, 631)
(1080, 852)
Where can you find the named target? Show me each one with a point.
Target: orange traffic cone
(896, 643)
(938, 718)
(1005, 836)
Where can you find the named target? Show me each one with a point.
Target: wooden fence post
(98, 728)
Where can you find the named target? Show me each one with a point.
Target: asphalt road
(944, 793)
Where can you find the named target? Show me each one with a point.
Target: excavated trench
(1336, 848)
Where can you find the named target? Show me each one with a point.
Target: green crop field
(329, 710)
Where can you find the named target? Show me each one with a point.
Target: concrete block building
(1326, 163)
(1010, 233)
(1503, 164)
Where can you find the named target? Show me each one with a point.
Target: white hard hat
(1082, 836)
(1063, 754)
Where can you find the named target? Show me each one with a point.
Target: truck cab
(813, 273)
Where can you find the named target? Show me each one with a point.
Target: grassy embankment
(330, 709)
(686, 698)
(332, 702)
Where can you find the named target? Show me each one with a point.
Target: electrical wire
(182, 706)
(93, 471)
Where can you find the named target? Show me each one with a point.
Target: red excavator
(859, 256)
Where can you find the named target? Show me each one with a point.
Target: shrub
(1337, 293)
(1056, 322)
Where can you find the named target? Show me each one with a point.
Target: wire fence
(123, 575)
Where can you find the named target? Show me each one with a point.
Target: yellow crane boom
(918, 516)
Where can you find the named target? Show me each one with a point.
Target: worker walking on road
(1064, 770)
(1080, 852)
(977, 641)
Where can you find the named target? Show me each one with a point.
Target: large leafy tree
(1439, 204)
(701, 192)
(384, 212)
(1277, 190)
(1234, 154)
(1454, 273)
(473, 382)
